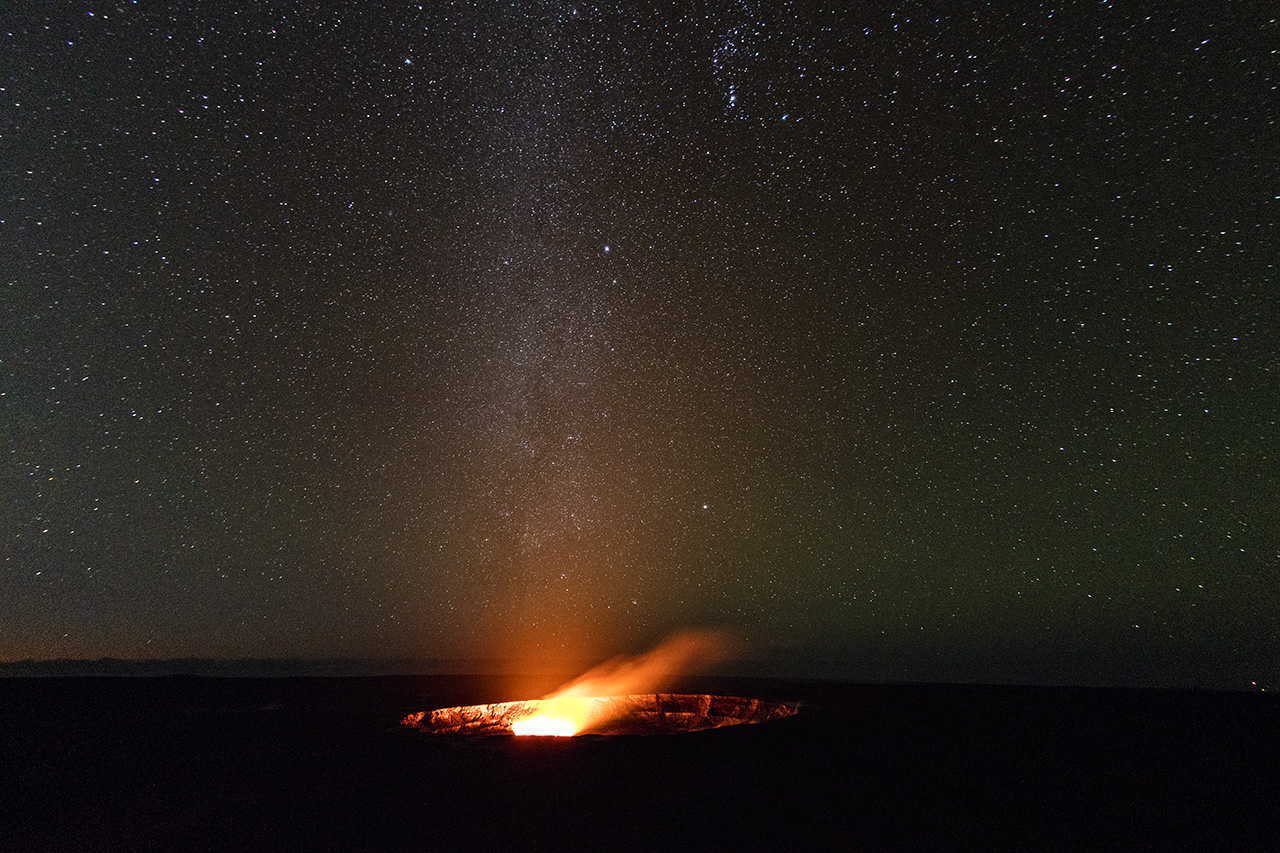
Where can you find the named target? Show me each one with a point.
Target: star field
(917, 341)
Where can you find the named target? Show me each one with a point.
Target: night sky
(918, 341)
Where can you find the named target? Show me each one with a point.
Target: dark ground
(185, 763)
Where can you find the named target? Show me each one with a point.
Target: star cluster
(938, 342)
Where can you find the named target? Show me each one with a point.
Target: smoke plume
(649, 672)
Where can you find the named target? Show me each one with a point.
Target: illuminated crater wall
(634, 714)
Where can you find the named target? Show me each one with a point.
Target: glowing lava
(635, 714)
(545, 726)
(608, 701)
(563, 717)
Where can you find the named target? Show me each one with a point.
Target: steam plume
(651, 671)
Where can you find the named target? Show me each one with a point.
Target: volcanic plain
(188, 763)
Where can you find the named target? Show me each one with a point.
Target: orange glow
(555, 717)
(651, 713)
(618, 695)
(578, 705)
(545, 726)
(650, 671)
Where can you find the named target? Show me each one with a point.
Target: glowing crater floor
(638, 714)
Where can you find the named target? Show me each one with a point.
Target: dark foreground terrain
(186, 763)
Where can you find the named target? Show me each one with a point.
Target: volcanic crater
(629, 714)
